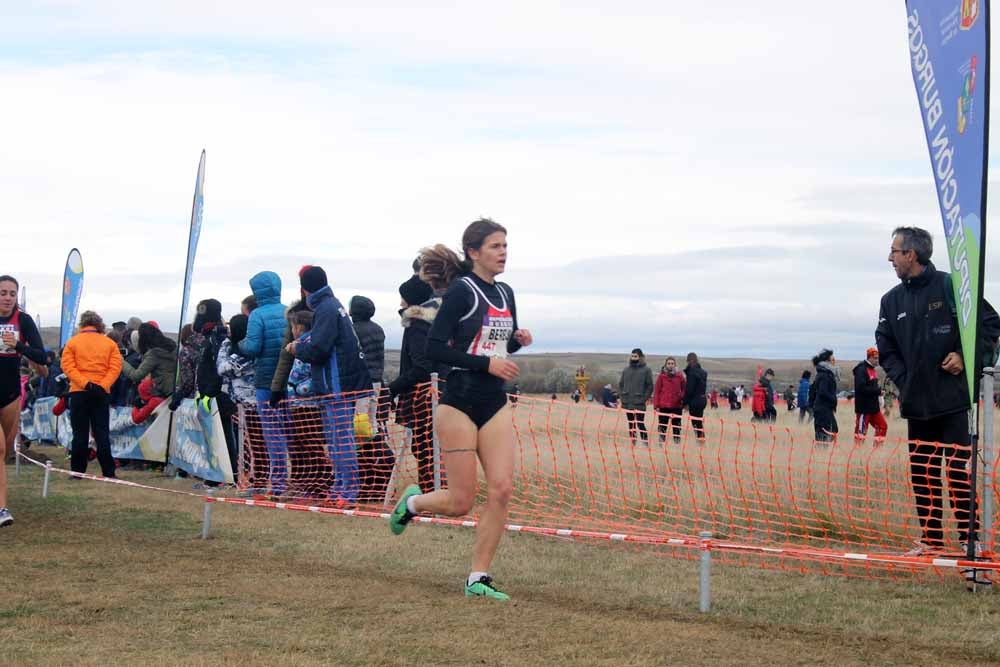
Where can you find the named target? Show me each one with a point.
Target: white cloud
(715, 174)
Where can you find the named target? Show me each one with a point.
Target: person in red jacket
(867, 391)
(668, 399)
(149, 401)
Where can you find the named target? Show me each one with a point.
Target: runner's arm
(32, 346)
(512, 344)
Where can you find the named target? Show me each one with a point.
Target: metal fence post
(17, 459)
(437, 443)
(373, 407)
(45, 481)
(988, 454)
(206, 521)
(705, 586)
(239, 473)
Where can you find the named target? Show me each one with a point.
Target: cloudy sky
(712, 176)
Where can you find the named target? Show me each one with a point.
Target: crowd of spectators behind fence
(334, 358)
(268, 352)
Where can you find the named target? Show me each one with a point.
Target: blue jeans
(272, 423)
(337, 415)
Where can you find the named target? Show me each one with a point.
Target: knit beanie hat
(313, 279)
(211, 309)
(415, 291)
(209, 312)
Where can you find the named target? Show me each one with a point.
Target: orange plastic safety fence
(768, 492)
(343, 450)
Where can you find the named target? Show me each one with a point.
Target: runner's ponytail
(439, 266)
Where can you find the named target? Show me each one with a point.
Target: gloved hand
(95, 389)
(204, 403)
(276, 398)
(175, 401)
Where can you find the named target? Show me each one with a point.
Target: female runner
(18, 337)
(474, 332)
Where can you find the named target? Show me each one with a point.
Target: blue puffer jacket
(338, 365)
(803, 397)
(266, 328)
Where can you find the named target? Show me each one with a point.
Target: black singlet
(29, 344)
(476, 322)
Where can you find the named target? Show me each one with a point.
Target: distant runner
(18, 337)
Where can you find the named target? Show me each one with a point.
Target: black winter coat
(414, 367)
(866, 390)
(917, 329)
(697, 385)
(370, 336)
(825, 385)
(768, 393)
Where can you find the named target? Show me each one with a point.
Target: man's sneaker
(5, 518)
(922, 549)
(401, 515)
(484, 588)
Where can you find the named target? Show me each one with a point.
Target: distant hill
(721, 371)
(50, 337)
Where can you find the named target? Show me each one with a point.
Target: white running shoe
(6, 518)
(922, 549)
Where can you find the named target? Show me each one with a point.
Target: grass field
(756, 483)
(102, 574)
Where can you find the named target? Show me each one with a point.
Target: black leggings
(89, 412)
(826, 424)
(637, 422)
(937, 439)
(697, 412)
(671, 416)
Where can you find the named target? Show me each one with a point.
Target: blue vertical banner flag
(72, 290)
(949, 43)
(197, 208)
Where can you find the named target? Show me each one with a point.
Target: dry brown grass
(755, 483)
(100, 574)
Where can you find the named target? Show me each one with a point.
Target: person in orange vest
(92, 363)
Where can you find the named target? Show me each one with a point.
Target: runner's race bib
(10, 327)
(498, 325)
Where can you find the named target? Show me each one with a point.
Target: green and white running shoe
(400, 514)
(484, 588)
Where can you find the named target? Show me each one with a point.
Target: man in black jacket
(920, 349)
(694, 394)
(866, 394)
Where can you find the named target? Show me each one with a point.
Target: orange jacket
(91, 357)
